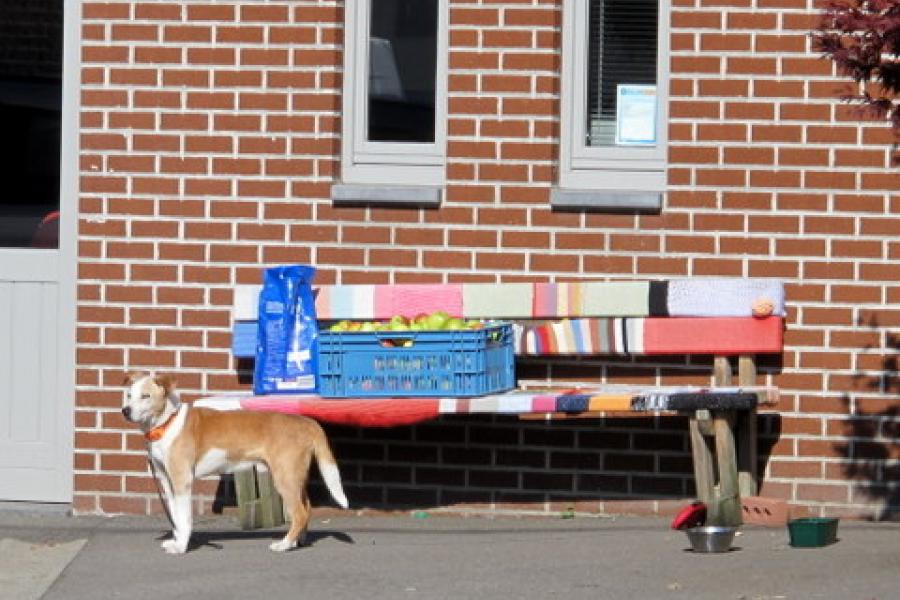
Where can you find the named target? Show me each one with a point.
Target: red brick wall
(210, 139)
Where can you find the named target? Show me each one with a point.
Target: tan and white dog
(186, 443)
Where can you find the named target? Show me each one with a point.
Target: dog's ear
(166, 382)
(132, 376)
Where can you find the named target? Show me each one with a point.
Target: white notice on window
(635, 115)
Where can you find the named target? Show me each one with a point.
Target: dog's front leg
(183, 518)
(182, 513)
(162, 478)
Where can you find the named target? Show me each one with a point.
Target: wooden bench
(588, 318)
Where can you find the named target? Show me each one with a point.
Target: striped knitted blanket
(390, 412)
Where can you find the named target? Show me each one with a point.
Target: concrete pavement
(409, 558)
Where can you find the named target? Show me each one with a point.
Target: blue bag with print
(287, 332)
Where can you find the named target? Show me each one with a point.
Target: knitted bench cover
(390, 412)
(694, 297)
(652, 336)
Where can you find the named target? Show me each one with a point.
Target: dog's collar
(160, 430)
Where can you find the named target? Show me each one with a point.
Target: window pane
(622, 52)
(30, 103)
(402, 70)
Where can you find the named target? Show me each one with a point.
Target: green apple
(437, 320)
(455, 324)
(398, 320)
(341, 326)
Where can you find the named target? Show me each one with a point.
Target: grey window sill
(386, 195)
(605, 200)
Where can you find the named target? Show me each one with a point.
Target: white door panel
(34, 462)
(24, 264)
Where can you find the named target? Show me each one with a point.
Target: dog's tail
(329, 469)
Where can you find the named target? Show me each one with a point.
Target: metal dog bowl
(711, 538)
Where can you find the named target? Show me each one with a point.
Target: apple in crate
(398, 323)
(437, 320)
(340, 326)
(455, 324)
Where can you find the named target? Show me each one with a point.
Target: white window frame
(607, 168)
(386, 163)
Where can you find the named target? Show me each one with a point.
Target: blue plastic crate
(243, 339)
(469, 362)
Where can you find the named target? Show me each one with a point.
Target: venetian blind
(622, 50)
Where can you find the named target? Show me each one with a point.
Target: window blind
(622, 50)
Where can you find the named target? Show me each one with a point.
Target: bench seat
(581, 401)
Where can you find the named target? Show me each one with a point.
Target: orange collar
(160, 430)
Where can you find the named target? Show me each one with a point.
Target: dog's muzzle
(126, 412)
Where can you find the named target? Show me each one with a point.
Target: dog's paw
(173, 547)
(282, 546)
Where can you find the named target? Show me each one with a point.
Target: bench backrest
(682, 316)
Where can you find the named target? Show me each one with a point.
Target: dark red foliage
(862, 37)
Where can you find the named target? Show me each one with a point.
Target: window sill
(605, 200)
(387, 195)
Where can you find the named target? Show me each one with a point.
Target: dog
(186, 443)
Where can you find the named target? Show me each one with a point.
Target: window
(31, 57)
(394, 126)
(614, 92)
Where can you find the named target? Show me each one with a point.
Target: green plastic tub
(813, 532)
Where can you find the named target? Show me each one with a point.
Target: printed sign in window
(635, 115)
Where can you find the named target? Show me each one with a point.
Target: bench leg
(748, 481)
(247, 499)
(269, 499)
(727, 495)
(727, 500)
(747, 453)
(259, 504)
(704, 477)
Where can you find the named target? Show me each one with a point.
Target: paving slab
(30, 568)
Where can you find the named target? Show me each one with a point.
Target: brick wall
(210, 139)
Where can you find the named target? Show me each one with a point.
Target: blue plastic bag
(287, 332)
